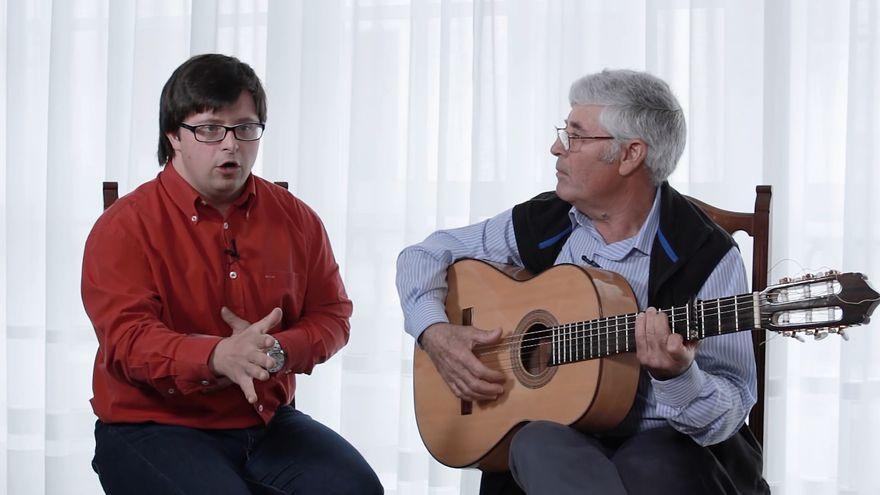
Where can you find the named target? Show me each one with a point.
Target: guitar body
(591, 395)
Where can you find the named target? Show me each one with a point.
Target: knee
(345, 479)
(531, 439)
(363, 481)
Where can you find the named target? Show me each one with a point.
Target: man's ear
(632, 156)
(174, 139)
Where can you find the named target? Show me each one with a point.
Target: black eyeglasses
(565, 138)
(212, 133)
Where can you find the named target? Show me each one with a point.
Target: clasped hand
(241, 357)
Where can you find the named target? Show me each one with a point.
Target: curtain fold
(393, 118)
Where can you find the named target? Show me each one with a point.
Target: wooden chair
(111, 192)
(756, 225)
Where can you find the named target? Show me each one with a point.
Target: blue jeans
(294, 454)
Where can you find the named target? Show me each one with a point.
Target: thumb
(269, 321)
(237, 324)
(487, 336)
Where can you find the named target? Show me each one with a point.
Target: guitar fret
(565, 348)
(756, 311)
(580, 353)
(617, 341)
(607, 333)
(687, 321)
(736, 312)
(595, 333)
(672, 320)
(719, 316)
(702, 311)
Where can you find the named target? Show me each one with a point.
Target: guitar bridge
(467, 318)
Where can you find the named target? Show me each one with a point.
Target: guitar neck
(612, 335)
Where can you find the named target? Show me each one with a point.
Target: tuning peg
(798, 337)
(842, 332)
(807, 276)
(784, 280)
(820, 333)
(830, 273)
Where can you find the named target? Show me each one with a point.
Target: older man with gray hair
(612, 209)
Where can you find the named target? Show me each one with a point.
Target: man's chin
(561, 191)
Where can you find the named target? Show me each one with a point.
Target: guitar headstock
(817, 304)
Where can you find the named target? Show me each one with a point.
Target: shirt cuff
(192, 368)
(423, 316)
(297, 348)
(680, 391)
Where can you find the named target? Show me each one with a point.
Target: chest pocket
(285, 290)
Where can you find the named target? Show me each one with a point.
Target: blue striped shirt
(709, 401)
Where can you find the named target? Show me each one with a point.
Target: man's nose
(229, 142)
(556, 149)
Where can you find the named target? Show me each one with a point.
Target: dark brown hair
(204, 83)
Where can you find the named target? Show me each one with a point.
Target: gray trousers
(555, 459)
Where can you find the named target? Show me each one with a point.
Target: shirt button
(233, 275)
(225, 226)
(194, 219)
(205, 382)
(171, 391)
(260, 408)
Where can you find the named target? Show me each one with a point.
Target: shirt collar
(188, 199)
(642, 241)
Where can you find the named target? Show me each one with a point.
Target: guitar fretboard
(612, 335)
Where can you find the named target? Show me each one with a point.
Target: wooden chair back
(756, 225)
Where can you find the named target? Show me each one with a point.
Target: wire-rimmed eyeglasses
(565, 138)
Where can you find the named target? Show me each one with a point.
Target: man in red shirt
(209, 288)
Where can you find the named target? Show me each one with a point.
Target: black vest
(687, 248)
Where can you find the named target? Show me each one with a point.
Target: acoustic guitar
(567, 347)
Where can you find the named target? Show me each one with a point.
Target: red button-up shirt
(158, 266)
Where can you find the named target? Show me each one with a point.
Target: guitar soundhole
(535, 350)
(532, 354)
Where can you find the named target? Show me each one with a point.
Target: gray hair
(637, 105)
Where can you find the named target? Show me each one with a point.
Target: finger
(651, 330)
(247, 387)
(262, 360)
(479, 369)
(486, 337)
(641, 336)
(454, 387)
(268, 321)
(237, 324)
(255, 371)
(472, 391)
(675, 346)
(661, 323)
(473, 372)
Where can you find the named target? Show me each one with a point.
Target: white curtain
(393, 118)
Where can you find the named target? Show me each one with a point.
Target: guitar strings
(595, 325)
(508, 364)
(721, 308)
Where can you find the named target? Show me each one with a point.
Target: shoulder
(129, 211)
(292, 207)
(124, 228)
